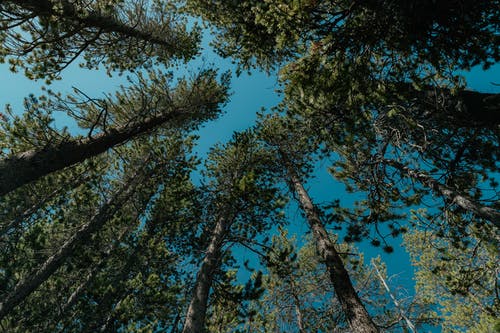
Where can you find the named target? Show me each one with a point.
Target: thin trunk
(459, 199)
(105, 320)
(105, 327)
(32, 281)
(300, 319)
(195, 317)
(75, 295)
(358, 318)
(408, 322)
(107, 304)
(28, 166)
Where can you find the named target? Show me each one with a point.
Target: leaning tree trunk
(358, 318)
(32, 281)
(461, 200)
(31, 165)
(109, 304)
(195, 317)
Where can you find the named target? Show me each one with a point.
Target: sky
(249, 94)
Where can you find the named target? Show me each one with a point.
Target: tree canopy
(120, 226)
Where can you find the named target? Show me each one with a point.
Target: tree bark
(28, 166)
(195, 317)
(459, 199)
(32, 281)
(358, 318)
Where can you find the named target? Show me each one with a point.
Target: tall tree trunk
(461, 200)
(195, 317)
(110, 302)
(32, 281)
(358, 318)
(28, 166)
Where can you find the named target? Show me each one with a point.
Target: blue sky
(249, 94)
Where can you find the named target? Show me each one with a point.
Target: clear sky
(250, 94)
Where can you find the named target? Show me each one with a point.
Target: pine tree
(242, 202)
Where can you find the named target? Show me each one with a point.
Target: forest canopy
(120, 226)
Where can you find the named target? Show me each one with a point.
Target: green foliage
(461, 281)
(45, 37)
(369, 84)
(392, 34)
(241, 182)
(298, 292)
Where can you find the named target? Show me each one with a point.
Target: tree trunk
(407, 320)
(28, 166)
(300, 319)
(32, 281)
(195, 317)
(461, 200)
(358, 318)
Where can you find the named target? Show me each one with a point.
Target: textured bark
(195, 317)
(32, 281)
(28, 166)
(300, 319)
(103, 23)
(459, 199)
(358, 318)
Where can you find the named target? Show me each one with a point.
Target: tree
(394, 31)
(460, 279)
(291, 149)
(354, 310)
(149, 106)
(299, 296)
(372, 83)
(242, 202)
(44, 37)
